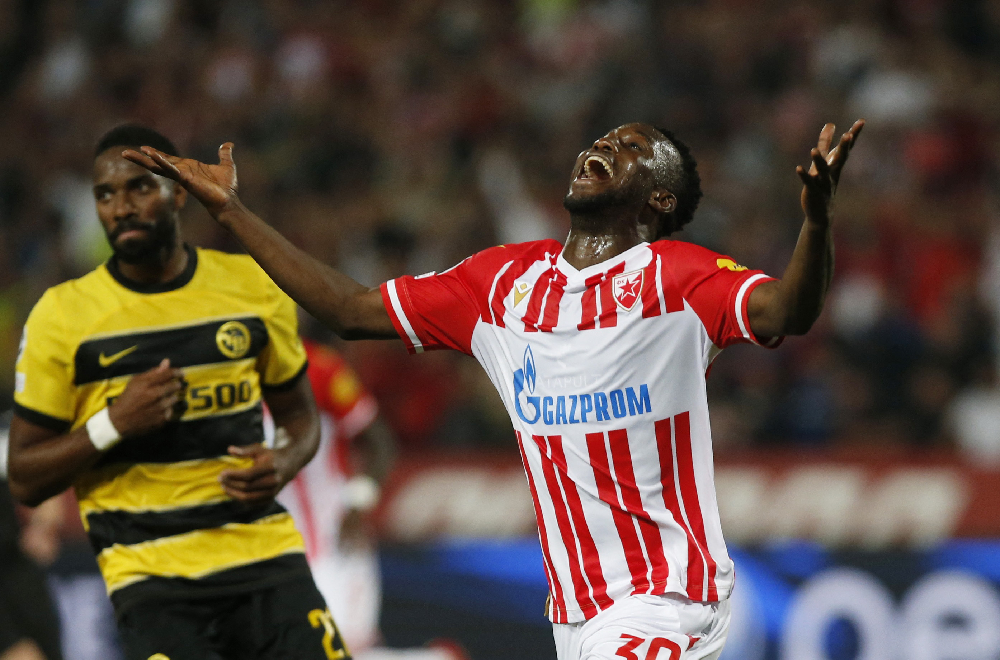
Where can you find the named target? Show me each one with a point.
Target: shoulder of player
(682, 256)
(238, 271)
(321, 357)
(71, 296)
(494, 258)
(217, 259)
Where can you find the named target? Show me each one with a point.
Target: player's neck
(167, 266)
(586, 247)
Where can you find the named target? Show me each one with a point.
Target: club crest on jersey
(627, 289)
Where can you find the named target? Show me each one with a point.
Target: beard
(595, 203)
(160, 236)
(632, 193)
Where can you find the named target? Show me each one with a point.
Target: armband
(102, 432)
(361, 493)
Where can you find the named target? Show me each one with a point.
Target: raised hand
(215, 186)
(819, 183)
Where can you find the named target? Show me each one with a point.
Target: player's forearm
(345, 306)
(41, 469)
(791, 306)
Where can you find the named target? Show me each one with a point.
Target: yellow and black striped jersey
(153, 507)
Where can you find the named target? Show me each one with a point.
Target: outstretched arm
(350, 309)
(790, 305)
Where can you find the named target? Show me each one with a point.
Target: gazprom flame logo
(526, 377)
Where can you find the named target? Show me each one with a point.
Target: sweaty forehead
(637, 127)
(110, 167)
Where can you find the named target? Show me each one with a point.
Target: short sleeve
(440, 310)
(283, 360)
(44, 393)
(718, 289)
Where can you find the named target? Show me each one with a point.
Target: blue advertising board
(793, 601)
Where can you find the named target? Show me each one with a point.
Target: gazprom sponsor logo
(585, 407)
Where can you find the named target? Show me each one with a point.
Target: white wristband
(102, 432)
(361, 493)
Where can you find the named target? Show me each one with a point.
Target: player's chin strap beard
(157, 247)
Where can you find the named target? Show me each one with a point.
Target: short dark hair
(684, 183)
(134, 136)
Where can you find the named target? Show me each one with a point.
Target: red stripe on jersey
(622, 456)
(637, 564)
(558, 601)
(671, 292)
(689, 493)
(695, 563)
(609, 309)
(504, 285)
(650, 297)
(551, 317)
(589, 300)
(306, 522)
(580, 589)
(591, 558)
(530, 318)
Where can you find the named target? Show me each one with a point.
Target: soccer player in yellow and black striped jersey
(141, 385)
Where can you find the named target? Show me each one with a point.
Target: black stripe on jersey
(126, 528)
(41, 419)
(207, 437)
(239, 580)
(124, 355)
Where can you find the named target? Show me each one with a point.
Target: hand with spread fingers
(819, 183)
(261, 482)
(215, 186)
(150, 400)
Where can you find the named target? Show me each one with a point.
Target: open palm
(214, 186)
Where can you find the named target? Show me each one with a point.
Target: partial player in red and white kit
(330, 496)
(599, 348)
(322, 496)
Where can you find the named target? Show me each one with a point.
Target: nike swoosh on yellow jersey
(108, 360)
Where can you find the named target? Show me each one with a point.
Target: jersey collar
(162, 287)
(572, 274)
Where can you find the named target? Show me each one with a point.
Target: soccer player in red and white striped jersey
(599, 348)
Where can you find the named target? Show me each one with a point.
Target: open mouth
(598, 168)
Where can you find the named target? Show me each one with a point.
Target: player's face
(615, 171)
(138, 209)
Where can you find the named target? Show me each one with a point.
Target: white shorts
(352, 587)
(643, 627)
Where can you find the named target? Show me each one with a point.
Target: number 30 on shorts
(657, 644)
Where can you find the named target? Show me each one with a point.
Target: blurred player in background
(331, 497)
(141, 384)
(29, 626)
(599, 348)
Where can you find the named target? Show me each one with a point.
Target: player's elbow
(798, 326)
(22, 492)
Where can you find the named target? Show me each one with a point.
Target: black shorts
(26, 611)
(289, 620)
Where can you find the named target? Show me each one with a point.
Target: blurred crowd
(392, 136)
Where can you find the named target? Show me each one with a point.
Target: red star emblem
(627, 289)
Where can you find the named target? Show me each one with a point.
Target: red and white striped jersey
(314, 497)
(602, 371)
